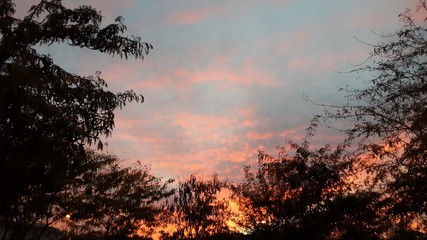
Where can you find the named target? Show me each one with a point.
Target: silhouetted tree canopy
(306, 194)
(197, 210)
(115, 202)
(303, 194)
(389, 119)
(52, 123)
(48, 116)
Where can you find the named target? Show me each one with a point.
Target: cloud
(295, 41)
(151, 76)
(187, 17)
(226, 78)
(246, 75)
(178, 144)
(259, 136)
(200, 11)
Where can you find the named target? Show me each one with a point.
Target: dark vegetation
(53, 173)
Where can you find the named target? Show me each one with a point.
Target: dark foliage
(305, 195)
(48, 116)
(197, 210)
(390, 120)
(114, 202)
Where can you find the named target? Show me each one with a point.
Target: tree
(390, 120)
(48, 116)
(37, 210)
(113, 202)
(304, 194)
(197, 211)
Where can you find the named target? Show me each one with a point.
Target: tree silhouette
(48, 116)
(303, 194)
(197, 211)
(114, 202)
(390, 120)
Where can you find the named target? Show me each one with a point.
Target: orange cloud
(191, 143)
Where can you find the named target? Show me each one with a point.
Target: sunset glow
(228, 78)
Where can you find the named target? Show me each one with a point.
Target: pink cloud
(381, 19)
(248, 116)
(203, 128)
(181, 78)
(419, 16)
(259, 136)
(299, 64)
(295, 133)
(246, 74)
(200, 13)
(202, 144)
(195, 15)
(222, 58)
(187, 17)
(197, 143)
(203, 162)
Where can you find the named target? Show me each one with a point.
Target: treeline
(56, 182)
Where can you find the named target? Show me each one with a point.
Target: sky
(228, 78)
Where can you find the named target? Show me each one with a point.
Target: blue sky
(227, 78)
